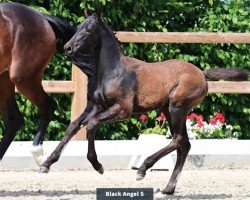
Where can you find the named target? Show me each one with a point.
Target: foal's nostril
(68, 49)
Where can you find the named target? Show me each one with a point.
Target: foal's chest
(106, 93)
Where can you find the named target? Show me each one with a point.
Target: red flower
(161, 117)
(220, 117)
(143, 117)
(213, 121)
(200, 124)
(199, 118)
(192, 116)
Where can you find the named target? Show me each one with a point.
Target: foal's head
(86, 37)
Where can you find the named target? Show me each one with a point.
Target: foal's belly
(152, 92)
(151, 97)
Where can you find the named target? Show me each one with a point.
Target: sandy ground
(81, 185)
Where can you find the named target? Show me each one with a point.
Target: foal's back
(25, 33)
(159, 81)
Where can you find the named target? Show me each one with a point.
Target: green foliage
(155, 16)
(151, 123)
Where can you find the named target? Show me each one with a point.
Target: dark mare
(125, 85)
(28, 42)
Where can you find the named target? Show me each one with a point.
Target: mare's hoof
(168, 190)
(140, 176)
(101, 170)
(44, 170)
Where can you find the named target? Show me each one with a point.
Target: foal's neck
(109, 59)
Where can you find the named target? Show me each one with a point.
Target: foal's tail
(62, 29)
(227, 74)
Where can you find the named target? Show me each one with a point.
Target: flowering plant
(216, 128)
(151, 123)
(197, 128)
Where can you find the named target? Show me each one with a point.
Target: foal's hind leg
(182, 153)
(31, 88)
(180, 143)
(12, 117)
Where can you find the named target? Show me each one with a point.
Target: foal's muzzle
(68, 49)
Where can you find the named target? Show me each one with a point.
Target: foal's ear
(100, 14)
(87, 12)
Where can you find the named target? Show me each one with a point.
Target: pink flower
(200, 124)
(220, 117)
(192, 116)
(143, 117)
(161, 117)
(213, 121)
(199, 118)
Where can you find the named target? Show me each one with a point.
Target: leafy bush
(158, 16)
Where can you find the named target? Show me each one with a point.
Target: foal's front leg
(112, 114)
(89, 111)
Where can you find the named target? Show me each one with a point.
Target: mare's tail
(227, 74)
(64, 32)
(62, 29)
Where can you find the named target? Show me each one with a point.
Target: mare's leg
(31, 52)
(74, 126)
(29, 84)
(12, 117)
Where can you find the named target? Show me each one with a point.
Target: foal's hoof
(140, 176)
(44, 170)
(101, 170)
(168, 190)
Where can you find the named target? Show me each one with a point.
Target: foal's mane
(111, 33)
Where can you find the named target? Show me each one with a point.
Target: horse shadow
(47, 193)
(194, 197)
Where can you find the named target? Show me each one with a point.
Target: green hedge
(158, 16)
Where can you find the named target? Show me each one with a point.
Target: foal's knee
(92, 124)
